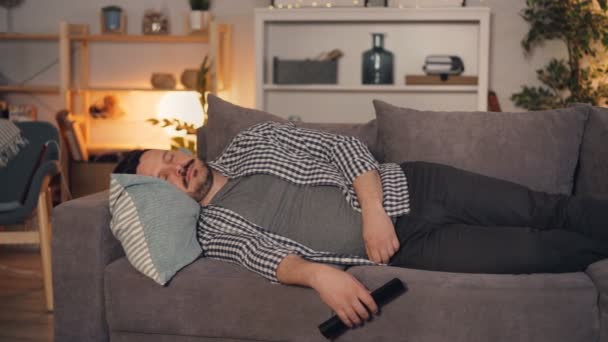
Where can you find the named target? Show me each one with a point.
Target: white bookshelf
(412, 34)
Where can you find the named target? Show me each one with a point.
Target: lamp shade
(182, 105)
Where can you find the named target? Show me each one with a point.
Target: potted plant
(9, 5)
(583, 77)
(200, 17)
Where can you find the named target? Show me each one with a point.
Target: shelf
(372, 88)
(41, 89)
(28, 36)
(123, 89)
(117, 38)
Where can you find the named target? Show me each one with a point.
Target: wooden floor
(23, 316)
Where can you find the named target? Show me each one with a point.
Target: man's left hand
(379, 235)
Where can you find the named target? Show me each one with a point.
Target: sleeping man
(290, 204)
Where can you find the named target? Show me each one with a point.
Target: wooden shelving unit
(28, 36)
(78, 98)
(411, 35)
(123, 89)
(119, 38)
(371, 88)
(36, 89)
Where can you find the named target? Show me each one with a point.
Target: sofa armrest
(82, 246)
(598, 272)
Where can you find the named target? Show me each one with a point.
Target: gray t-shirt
(316, 216)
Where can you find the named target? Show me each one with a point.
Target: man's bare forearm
(379, 234)
(341, 291)
(294, 270)
(368, 187)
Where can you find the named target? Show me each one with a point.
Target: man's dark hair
(129, 162)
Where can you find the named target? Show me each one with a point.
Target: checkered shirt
(304, 157)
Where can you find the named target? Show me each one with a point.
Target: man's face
(189, 174)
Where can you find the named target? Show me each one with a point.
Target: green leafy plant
(202, 80)
(583, 27)
(179, 125)
(200, 5)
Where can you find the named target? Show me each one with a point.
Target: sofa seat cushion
(215, 299)
(210, 298)
(441, 306)
(537, 149)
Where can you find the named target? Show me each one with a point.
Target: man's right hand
(342, 292)
(345, 295)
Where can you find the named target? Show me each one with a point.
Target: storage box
(305, 72)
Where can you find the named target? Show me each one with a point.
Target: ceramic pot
(189, 78)
(163, 81)
(199, 21)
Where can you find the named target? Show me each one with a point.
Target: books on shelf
(437, 80)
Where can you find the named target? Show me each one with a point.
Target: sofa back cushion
(592, 174)
(537, 149)
(225, 120)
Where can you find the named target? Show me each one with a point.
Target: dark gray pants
(465, 222)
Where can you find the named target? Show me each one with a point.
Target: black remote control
(333, 327)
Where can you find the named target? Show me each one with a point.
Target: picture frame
(376, 3)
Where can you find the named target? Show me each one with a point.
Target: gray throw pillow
(537, 149)
(592, 175)
(225, 120)
(155, 223)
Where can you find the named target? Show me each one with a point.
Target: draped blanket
(11, 141)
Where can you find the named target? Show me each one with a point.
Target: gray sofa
(100, 297)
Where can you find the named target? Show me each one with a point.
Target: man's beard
(203, 188)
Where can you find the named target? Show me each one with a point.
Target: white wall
(509, 67)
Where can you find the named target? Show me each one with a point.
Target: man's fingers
(360, 310)
(368, 301)
(395, 245)
(344, 318)
(376, 256)
(352, 316)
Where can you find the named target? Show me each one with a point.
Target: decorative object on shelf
(9, 5)
(189, 78)
(427, 3)
(200, 17)
(155, 22)
(113, 20)
(438, 80)
(291, 4)
(161, 80)
(443, 65)
(581, 25)
(377, 66)
(376, 3)
(106, 108)
(22, 112)
(323, 69)
(181, 113)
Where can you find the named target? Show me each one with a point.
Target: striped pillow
(155, 223)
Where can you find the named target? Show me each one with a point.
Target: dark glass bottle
(377, 63)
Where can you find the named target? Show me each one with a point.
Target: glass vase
(377, 63)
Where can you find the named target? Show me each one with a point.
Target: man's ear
(186, 151)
